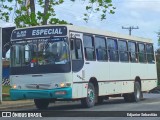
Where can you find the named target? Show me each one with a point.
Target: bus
(66, 62)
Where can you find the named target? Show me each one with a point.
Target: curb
(7, 105)
(15, 106)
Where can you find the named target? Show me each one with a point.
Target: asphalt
(15, 104)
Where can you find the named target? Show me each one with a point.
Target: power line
(130, 28)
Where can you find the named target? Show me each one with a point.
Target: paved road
(150, 103)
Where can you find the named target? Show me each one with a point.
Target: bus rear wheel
(41, 103)
(89, 101)
(136, 96)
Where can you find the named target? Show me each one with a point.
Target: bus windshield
(39, 52)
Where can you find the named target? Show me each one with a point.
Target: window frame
(108, 50)
(135, 52)
(93, 48)
(144, 53)
(103, 48)
(152, 53)
(123, 40)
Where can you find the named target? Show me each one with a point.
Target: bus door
(77, 64)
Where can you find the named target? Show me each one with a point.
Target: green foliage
(101, 6)
(158, 33)
(6, 89)
(158, 64)
(24, 16)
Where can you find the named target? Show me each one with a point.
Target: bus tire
(100, 99)
(127, 97)
(137, 92)
(41, 103)
(89, 101)
(136, 96)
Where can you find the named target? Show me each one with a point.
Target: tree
(158, 64)
(26, 13)
(158, 33)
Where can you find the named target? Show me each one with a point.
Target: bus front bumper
(63, 93)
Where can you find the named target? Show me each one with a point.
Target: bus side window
(89, 47)
(112, 50)
(123, 51)
(141, 52)
(76, 51)
(101, 49)
(132, 51)
(150, 53)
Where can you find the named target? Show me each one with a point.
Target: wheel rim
(90, 95)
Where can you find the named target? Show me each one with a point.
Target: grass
(5, 93)
(5, 89)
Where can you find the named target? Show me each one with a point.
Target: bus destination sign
(37, 32)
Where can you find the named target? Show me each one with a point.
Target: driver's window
(76, 51)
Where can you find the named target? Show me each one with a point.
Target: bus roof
(96, 32)
(107, 33)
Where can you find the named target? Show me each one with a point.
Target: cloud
(147, 5)
(6, 24)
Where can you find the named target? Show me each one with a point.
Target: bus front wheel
(89, 101)
(41, 103)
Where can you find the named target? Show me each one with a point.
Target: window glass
(150, 53)
(122, 45)
(100, 42)
(101, 50)
(123, 52)
(141, 48)
(39, 52)
(89, 47)
(112, 50)
(89, 53)
(88, 41)
(132, 51)
(77, 52)
(141, 54)
(113, 55)
(131, 46)
(149, 48)
(112, 44)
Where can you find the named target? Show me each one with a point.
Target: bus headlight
(62, 85)
(14, 86)
(65, 85)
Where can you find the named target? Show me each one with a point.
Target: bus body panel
(44, 85)
(112, 77)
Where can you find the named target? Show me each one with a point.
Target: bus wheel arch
(137, 94)
(94, 81)
(92, 93)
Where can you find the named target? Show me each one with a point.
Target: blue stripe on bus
(40, 94)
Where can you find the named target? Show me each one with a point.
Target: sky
(142, 13)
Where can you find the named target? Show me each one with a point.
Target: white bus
(66, 62)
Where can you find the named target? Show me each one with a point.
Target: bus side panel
(79, 89)
(120, 74)
(147, 74)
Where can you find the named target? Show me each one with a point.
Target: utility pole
(130, 28)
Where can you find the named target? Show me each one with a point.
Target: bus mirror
(71, 44)
(77, 44)
(5, 48)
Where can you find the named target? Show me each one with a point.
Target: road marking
(153, 103)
